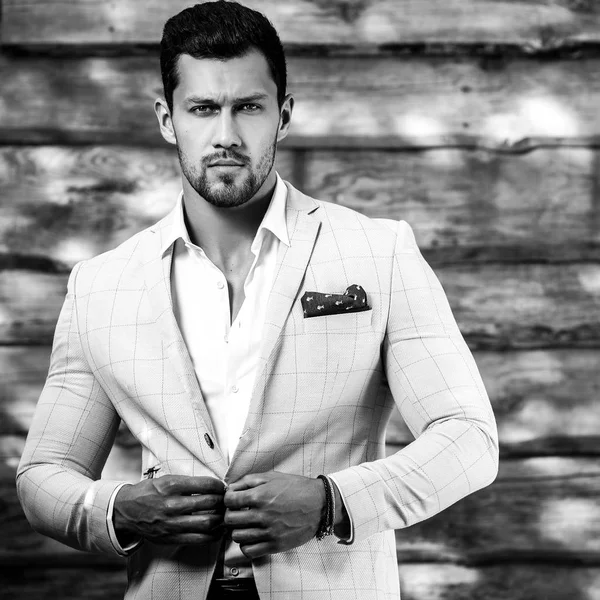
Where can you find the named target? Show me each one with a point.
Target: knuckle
(211, 501)
(169, 505)
(163, 484)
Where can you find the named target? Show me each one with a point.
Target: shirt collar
(273, 221)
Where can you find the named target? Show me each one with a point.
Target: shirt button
(234, 571)
(209, 441)
(235, 389)
(220, 285)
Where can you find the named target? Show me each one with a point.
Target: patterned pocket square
(316, 304)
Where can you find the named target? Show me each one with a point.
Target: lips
(225, 163)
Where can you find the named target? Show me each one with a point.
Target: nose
(226, 134)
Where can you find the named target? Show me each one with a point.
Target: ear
(285, 117)
(165, 122)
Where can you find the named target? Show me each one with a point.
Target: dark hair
(220, 30)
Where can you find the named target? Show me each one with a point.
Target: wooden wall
(476, 121)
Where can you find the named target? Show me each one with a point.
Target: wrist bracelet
(328, 517)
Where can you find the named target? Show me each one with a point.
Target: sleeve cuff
(349, 539)
(123, 551)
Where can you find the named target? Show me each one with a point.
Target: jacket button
(209, 441)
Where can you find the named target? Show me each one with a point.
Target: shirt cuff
(349, 539)
(127, 550)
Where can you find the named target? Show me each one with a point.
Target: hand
(174, 509)
(273, 512)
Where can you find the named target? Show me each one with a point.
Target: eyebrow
(242, 100)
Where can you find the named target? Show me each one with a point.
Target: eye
(203, 109)
(249, 107)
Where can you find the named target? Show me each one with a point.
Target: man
(243, 340)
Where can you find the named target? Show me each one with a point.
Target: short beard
(228, 194)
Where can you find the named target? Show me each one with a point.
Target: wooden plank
(542, 509)
(497, 306)
(67, 583)
(62, 204)
(498, 582)
(525, 306)
(473, 206)
(302, 22)
(397, 102)
(545, 402)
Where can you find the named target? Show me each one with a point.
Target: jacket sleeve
(436, 386)
(73, 430)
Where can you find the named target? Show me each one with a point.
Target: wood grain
(69, 582)
(529, 581)
(305, 22)
(62, 204)
(497, 306)
(396, 102)
(545, 402)
(473, 206)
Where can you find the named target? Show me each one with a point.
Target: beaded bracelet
(328, 518)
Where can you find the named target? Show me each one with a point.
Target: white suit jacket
(317, 405)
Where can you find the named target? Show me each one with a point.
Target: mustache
(229, 155)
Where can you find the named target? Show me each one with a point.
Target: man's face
(226, 124)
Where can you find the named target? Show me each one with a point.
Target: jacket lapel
(303, 225)
(158, 285)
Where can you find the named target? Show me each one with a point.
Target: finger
(249, 481)
(257, 550)
(250, 536)
(182, 505)
(243, 499)
(190, 539)
(186, 485)
(243, 518)
(204, 523)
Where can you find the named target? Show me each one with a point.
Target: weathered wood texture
(64, 204)
(543, 508)
(333, 23)
(395, 102)
(499, 582)
(545, 402)
(71, 582)
(497, 306)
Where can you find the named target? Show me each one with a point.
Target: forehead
(223, 79)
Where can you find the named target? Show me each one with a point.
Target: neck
(225, 232)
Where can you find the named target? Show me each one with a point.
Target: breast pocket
(351, 321)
